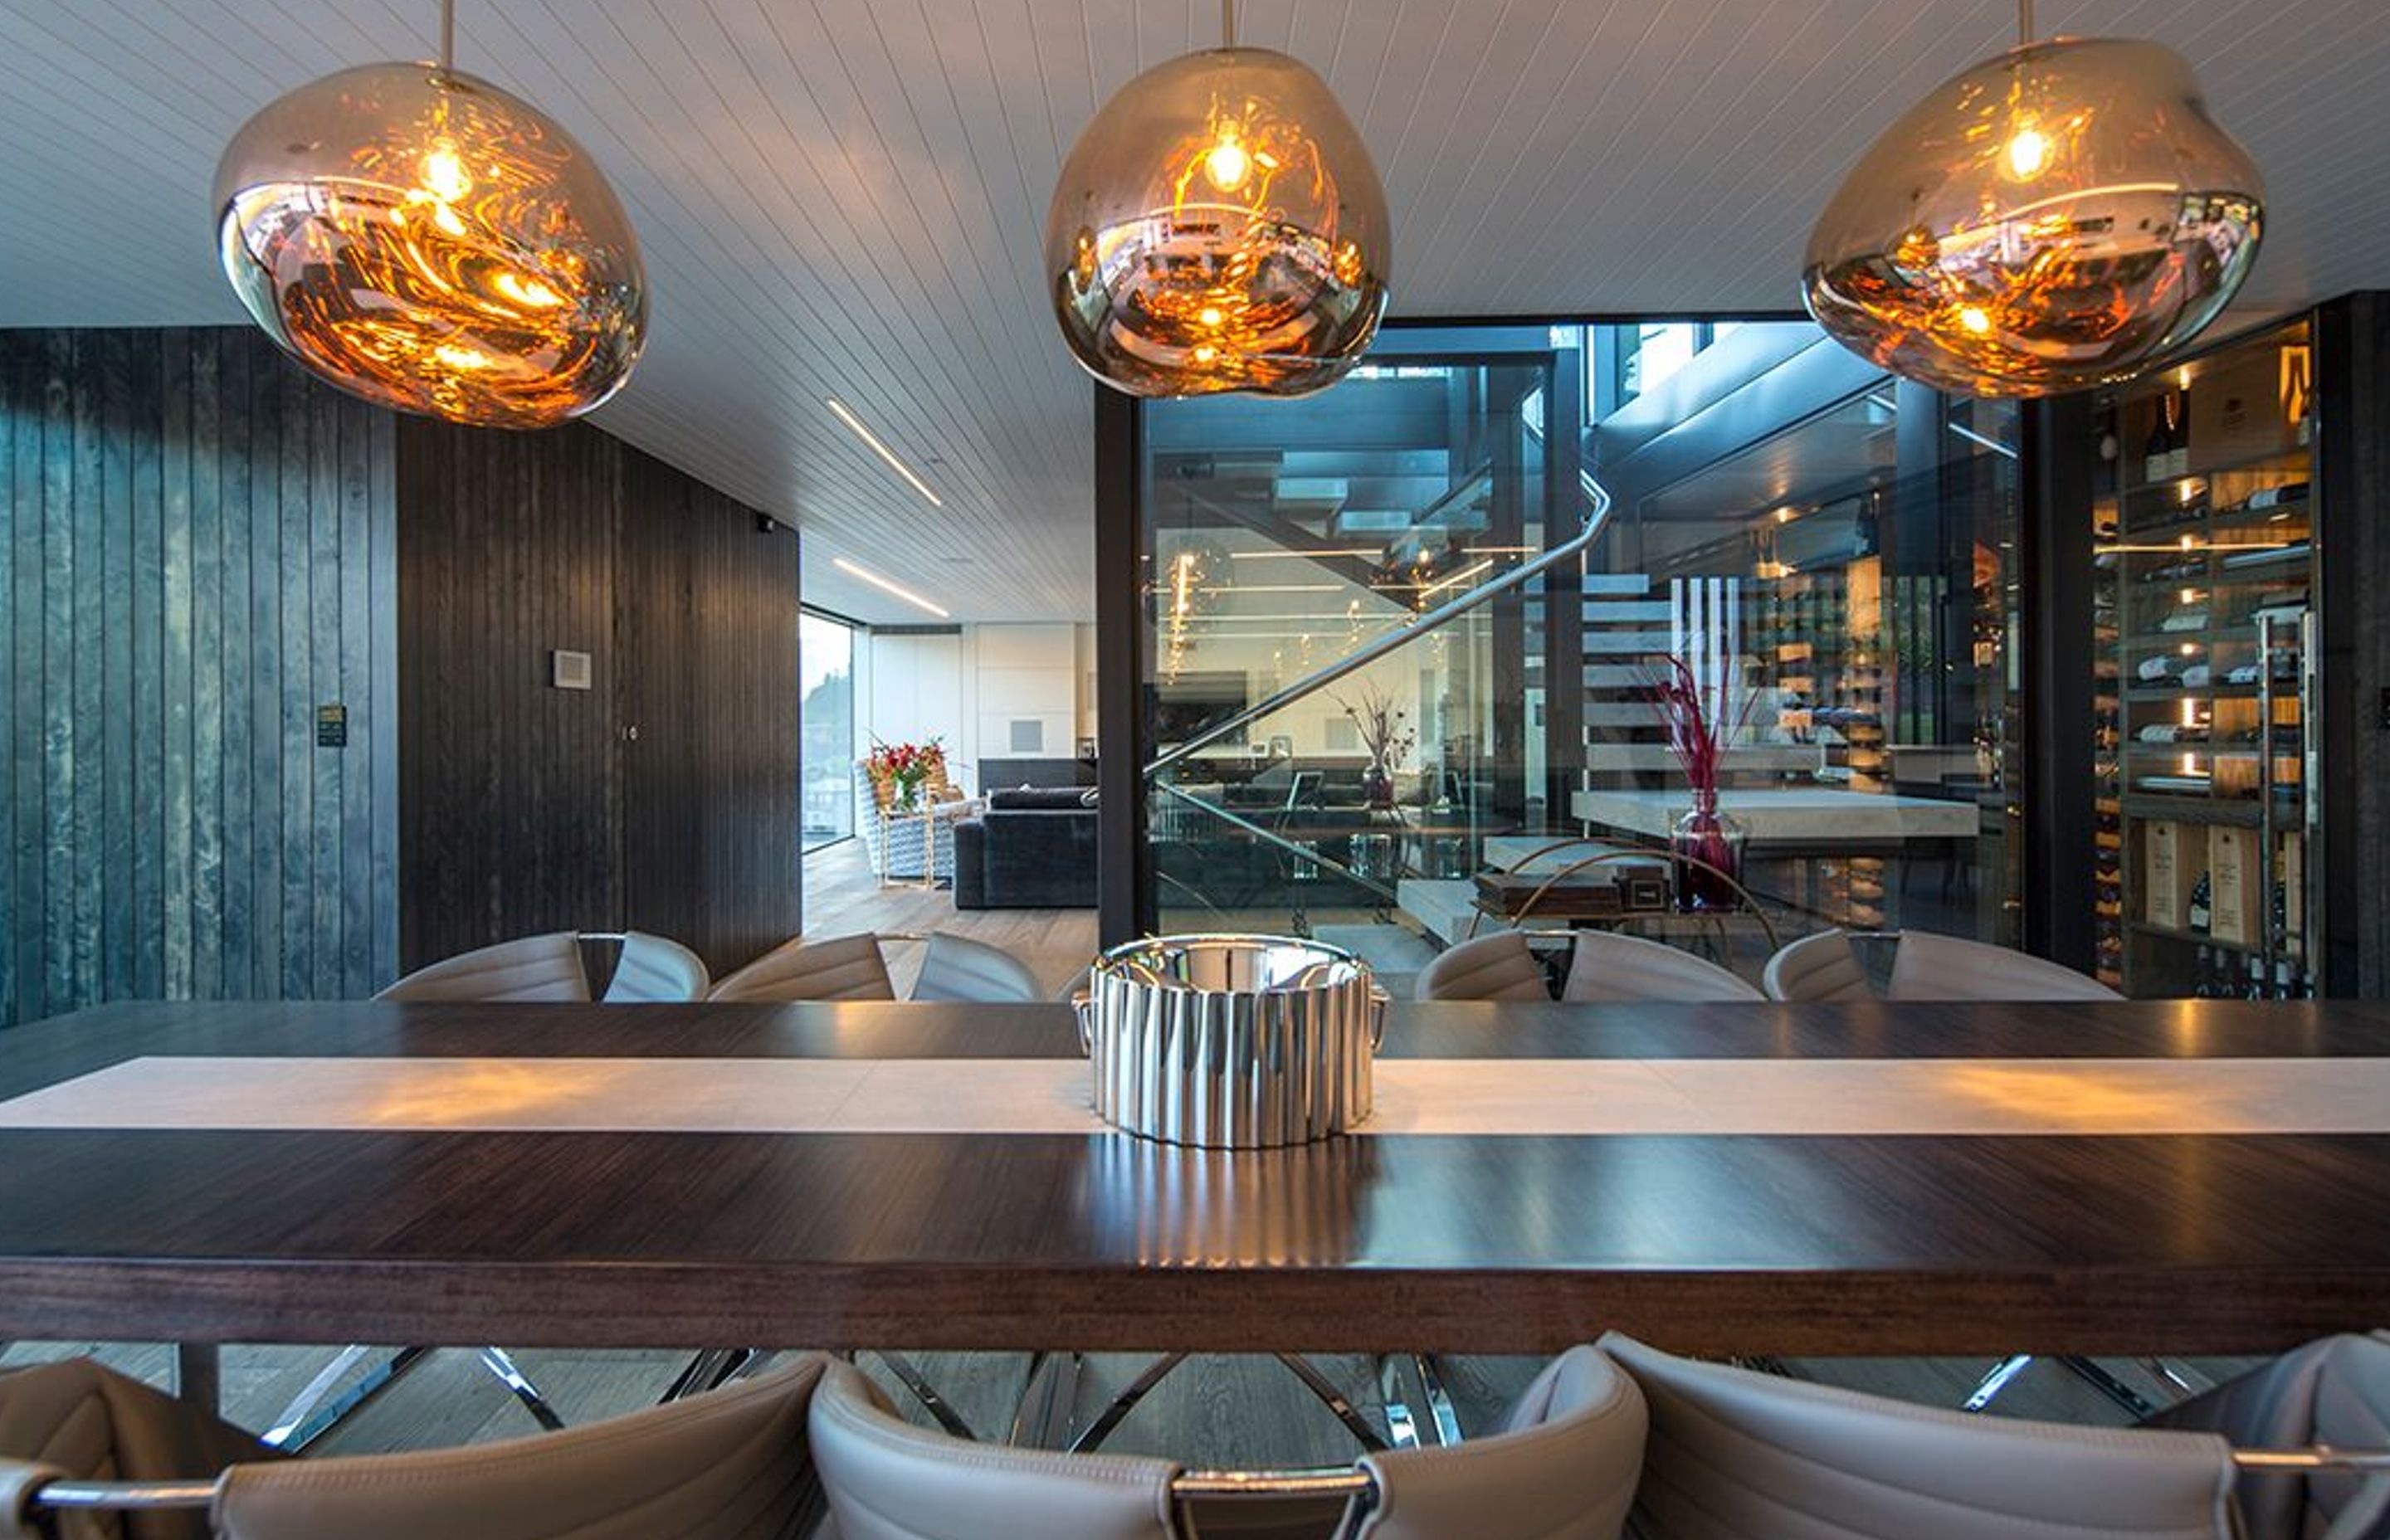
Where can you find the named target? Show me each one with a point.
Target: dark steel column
(2054, 564)
(2352, 536)
(1125, 897)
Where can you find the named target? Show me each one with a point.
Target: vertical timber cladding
(198, 555)
(662, 798)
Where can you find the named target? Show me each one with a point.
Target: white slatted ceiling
(840, 197)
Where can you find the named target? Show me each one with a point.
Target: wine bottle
(2157, 450)
(2178, 434)
(2203, 984)
(2203, 905)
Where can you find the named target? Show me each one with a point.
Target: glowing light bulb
(1226, 165)
(527, 292)
(458, 356)
(2028, 154)
(443, 174)
(1211, 315)
(1974, 320)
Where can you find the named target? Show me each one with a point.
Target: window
(825, 722)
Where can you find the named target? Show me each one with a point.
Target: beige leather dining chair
(728, 1465)
(1495, 966)
(955, 968)
(1930, 967)
(653, 969)
(1739, 1456)
(841, 967)
(1604, 965)
(1561, 1467)
(1822, 967)
(2334, 1393)
(528, 969)
(1925, 966)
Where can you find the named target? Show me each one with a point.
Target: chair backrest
(2336, 1391)
(1608, 965)
(887, 1480)
(1561, 1467)
(728, 1465)
(1930, 967)
(1499, 967)
(530, 967)
(656, 968)
(1739, 1456)
(842, 968)
(76, 1421)
(955, 968)
(1822, 967)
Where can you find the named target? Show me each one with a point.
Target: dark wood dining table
(1815, 1241)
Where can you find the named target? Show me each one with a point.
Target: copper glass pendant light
(421, 239)
(1219, 227)
(2060, 216)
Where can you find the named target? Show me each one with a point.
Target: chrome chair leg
(1402, 1431)
(1333, 1399)
(2115, 1389)
(1049, 1392)
(502, 1366)
(315, 1411)
(1439, 1400)
(2165, 1373)
(709, 1370)
(1092, 1436)
(1995, 1381)
(941, 1411)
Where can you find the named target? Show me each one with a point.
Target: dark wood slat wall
(507, 793)
(199, 551)
(706, 632)
(524, 808)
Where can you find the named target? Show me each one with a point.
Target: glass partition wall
(1842, 576)
(1849, 584)
(1284, 537)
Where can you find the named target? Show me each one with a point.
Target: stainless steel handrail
(1293, 847)
(1596, 516)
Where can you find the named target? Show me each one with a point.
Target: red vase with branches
(1706, 844)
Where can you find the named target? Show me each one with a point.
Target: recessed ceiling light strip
(867, 575)
(868, 436)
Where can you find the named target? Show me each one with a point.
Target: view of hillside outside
(825, 673)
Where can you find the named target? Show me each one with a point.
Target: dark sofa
(1034, 848)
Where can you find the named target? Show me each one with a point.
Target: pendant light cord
(1227, 24)
(2025, 23)
(447, 36)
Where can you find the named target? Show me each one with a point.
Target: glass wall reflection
(1831, 553)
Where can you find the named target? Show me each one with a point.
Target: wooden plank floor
(843, 898)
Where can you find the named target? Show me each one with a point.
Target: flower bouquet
(904, 769)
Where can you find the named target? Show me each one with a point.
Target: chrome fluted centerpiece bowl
(1231, 1042)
